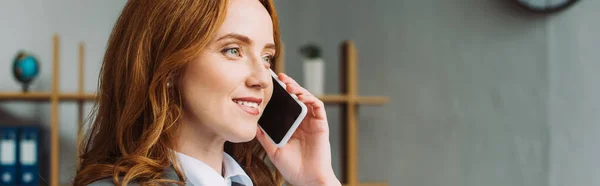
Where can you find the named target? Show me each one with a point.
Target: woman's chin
(242, 139)
(245, 135)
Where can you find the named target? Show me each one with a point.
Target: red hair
(134, 123)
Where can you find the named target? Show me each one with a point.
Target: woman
(180, 86)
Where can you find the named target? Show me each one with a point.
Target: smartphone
(282, 115)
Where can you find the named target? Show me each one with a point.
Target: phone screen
(280, 113)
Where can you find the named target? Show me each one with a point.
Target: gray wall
(574, 63)
(482, 93)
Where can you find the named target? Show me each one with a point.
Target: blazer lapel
(171, 174)
(236, 184)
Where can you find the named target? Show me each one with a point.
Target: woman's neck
(199, 142)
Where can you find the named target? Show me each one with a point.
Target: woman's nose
(260, 77)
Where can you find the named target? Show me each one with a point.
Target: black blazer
(169, 174)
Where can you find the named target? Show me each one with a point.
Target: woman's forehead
(248, 18)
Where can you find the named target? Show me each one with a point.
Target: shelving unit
(55, 97)
(349, 100)
(44, 96)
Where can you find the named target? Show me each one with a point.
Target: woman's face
(227, 87)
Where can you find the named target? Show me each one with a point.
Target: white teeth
(246, 103)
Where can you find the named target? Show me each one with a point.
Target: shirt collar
(200, 174)
(234, 172)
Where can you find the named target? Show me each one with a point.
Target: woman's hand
(306, 159)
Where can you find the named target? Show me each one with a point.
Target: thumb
(264, 140)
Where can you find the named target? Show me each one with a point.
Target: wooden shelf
(363, 100)
(372, 100)
(333, 98)
(45, 96)
(41, 96)
(78, 97)
(55, 97)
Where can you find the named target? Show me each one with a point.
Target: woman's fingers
(295, 89)
(292, 86)
(317, 106)
(287, 79)
(307, 98)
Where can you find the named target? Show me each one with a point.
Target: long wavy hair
(134, 123)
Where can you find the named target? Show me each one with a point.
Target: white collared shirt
(198, 173)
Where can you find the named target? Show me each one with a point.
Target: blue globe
(26, 68)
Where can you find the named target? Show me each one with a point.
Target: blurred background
(481, 92)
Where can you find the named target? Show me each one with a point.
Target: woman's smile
(249, 104)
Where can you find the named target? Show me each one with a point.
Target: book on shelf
(28, 168)
(8, 155)
(19, 155)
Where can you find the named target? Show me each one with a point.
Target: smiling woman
(182, 87)
(138, 120)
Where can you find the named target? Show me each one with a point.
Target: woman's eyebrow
(270, 46)
(245, 39)
(239, 37)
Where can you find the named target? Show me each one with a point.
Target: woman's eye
(232, 52)
(268, 58)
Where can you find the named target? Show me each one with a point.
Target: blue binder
(8, 155)
(28, 169)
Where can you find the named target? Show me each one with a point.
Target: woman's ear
(170, 78)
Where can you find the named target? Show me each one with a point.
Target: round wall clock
(546, 6)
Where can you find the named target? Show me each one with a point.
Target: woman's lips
(249, 104)
(249, 110)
